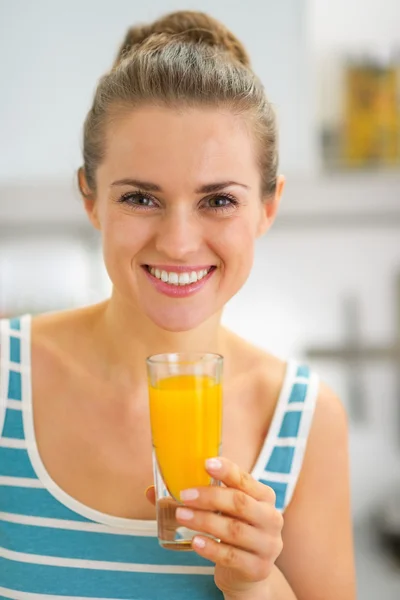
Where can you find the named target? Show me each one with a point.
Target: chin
(178, 320)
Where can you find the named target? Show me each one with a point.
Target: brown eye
(137, 200)
(219, 202)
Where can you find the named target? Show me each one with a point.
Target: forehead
(196, 144)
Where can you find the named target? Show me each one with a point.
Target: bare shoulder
(56, 325)
(318, 522)
(65, 331)
(330, 423)
(267, 372)
(326, 457)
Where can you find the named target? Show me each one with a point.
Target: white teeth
(178, 278)
(184, 278)
(201, 274)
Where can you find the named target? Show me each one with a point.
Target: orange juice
(186, 420)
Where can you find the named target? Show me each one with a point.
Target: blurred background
(326, 282)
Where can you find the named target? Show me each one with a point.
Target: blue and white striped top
(52, 546)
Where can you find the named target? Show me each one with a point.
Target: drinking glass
(185, 394)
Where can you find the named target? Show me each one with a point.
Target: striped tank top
(52, 546)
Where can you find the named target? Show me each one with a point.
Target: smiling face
(178, 204)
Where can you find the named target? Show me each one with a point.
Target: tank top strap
(281, 457)
(14, 377)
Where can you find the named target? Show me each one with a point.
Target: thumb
(151, 494)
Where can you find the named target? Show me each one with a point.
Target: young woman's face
(178, 204)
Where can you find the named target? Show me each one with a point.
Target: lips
(178, 276)
(178, 282)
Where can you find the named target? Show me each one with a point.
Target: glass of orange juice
(185, 393)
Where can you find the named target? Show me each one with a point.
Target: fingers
(230, 531)
(232, 476)
(231, 502)
(252, 567)
(151, 494)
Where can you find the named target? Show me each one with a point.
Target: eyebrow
(152, 187)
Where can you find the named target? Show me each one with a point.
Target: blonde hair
(185, 58)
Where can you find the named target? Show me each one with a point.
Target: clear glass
(185, 394)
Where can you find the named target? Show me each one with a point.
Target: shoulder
(324, 476)
(330, 419)
(63, 324)
(329, 425)
(327, 447)
(318, 520)
(64, 331)
(325, 465)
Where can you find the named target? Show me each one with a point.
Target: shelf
(332, 200)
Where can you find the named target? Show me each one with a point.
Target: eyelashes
(142, 201)
(132, 199)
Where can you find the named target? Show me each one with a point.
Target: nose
(179, 234)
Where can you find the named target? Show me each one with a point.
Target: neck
(129, 337)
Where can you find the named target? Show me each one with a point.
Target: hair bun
(191, 26)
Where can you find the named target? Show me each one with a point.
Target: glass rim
(178, 358)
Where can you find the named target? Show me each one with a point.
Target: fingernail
(214, 464)
(184, 513)
(147, 489)
(198, 542)
(189, 494)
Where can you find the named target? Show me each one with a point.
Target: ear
(270, 207)
(89, 200)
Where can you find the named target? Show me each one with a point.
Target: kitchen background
(326, 282)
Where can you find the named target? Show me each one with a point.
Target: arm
(317, 562)
(317, 558)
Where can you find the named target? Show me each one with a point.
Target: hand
(249, 527)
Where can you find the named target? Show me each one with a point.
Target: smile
(181, 277)
(178, 282)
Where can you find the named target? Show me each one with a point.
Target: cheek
(235, 246)
(122, 234)
(237, 238)
(122, 240)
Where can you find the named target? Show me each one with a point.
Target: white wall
(51, 54)
(354, 25)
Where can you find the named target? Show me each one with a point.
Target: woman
(180, 177)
